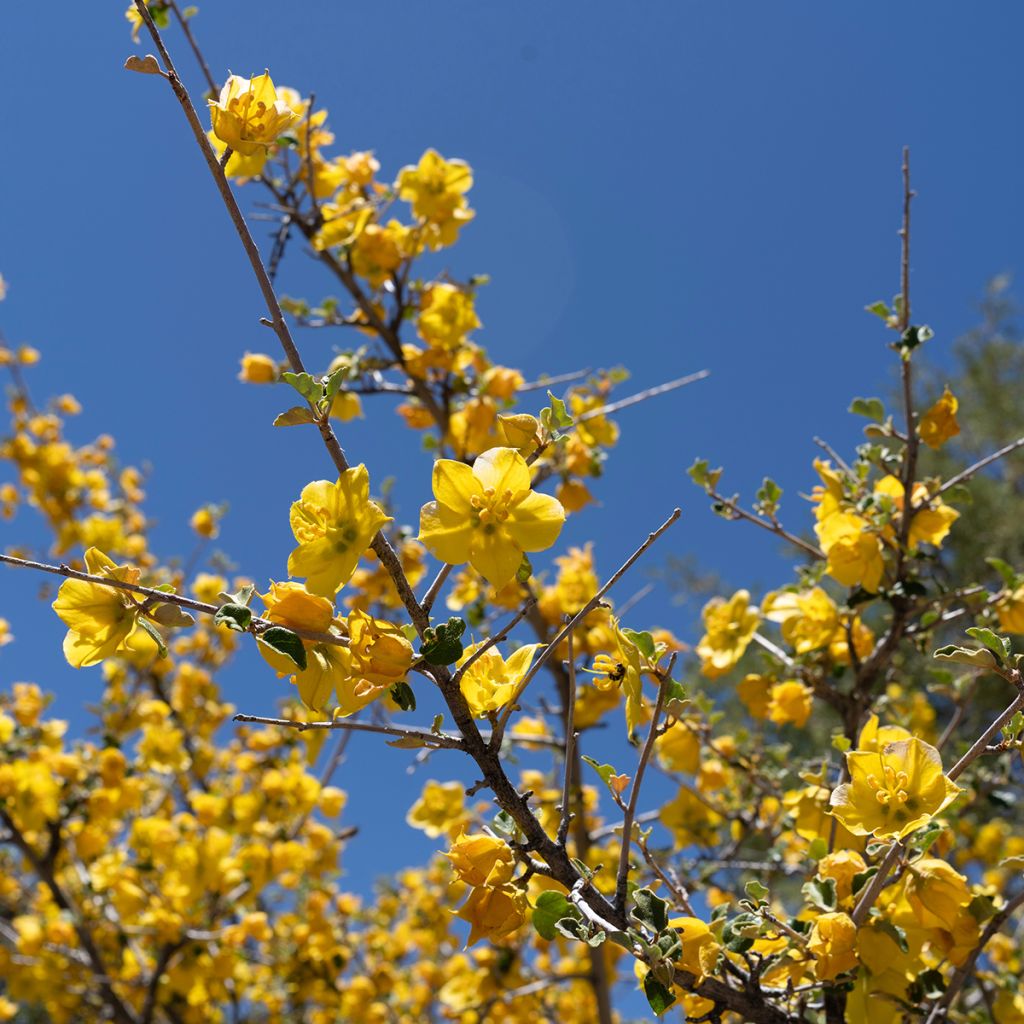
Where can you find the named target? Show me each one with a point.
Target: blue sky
(666, 185)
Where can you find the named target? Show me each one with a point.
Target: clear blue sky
(668, 185)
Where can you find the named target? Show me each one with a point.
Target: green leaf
(966, 656)
(1000, 646)
(821, 893)
(756, 891)
(285, 642)
(676, 700)
(606, 771)
(504, 824)
(295, 416)
(189, 12)
(879, 309)
(650, 910)
(242, 596)
(235, 616)
(407, 743)
(702, 476)
(172, 616)
(442, 645)
(915, 335)
(332, 384)
(659, 997)
(154, 633)
(306, 385)
(872, 408)
(817, 849)
(559, 414)
(550, 908)
(644, 642)
(402, 695)
(1005, 570)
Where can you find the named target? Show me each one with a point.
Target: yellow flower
(204, 522)
(729, 627)
(334, 524)
(755, 691)
(248, 115)
(100, 619)
(1010, 609)
(892, 791)
(446, 316)
(842, 867)
(700, 948)
(939, 423)
(480, 859)
(488, 515)
(931, 523)
(809, 619)
(492, 680)
(790, 702)
(493, 913)
(6, 636)
(436, 189)
(440, 808)
(833, 942)
(854, 553)
(874, 736)
(239, 166)
(380, 656)
(258, 369)
(936, 893)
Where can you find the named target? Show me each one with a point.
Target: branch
(443, 741)
(380, 544)
(641, 396)
(739, 512)
(570, 743)
(259, 625)
(967, 473)
(578, 618)
(634, 796)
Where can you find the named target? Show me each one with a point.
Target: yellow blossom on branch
(491, 680)
(700, 947)
(447, 316)
(939, 423)
(100, 619)
(488, 515)
(334, 524)
(833, 942)
(493, 913)
(892, 791)
(729, 627)
(480, 859)
(248, 115)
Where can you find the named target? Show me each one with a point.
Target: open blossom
(100, 619)
(334, 524)
(488, 515)
(729, 627)
(248, 115)
(480, 859)
(700, 947)
(833, 942)
(939, 423)
(491, 680)
(894, 790)
(493, 913)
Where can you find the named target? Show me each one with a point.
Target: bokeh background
(670, 186)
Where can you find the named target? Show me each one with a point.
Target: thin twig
(428, 599)
(641, 396)
(570, 743)
(436, 739)
(580, 616)
(258, 625)
(737, 511)
(634, 796)
(967, 473)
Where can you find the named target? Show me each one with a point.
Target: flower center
(892, 790)
(492, 508)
